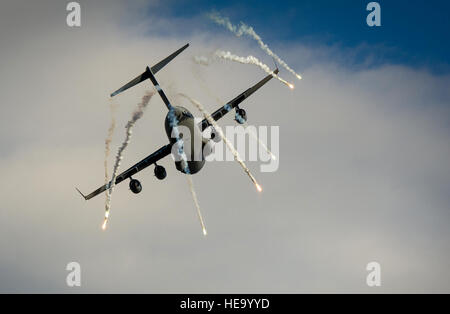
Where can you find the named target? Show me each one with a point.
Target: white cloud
(363, 168)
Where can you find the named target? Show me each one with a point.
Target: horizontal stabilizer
(164, 62)
(137, 80)
(154, 69)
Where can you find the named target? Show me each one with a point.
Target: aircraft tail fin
(154, 69)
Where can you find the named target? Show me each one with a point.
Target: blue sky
(413, 33)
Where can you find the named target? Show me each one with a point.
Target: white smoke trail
(109, 136)
(194, 197)
(230, 146)
(201, 60)
(249, 31)
(250, 60)
(261, 143)
(226, 55)
(137, 114)
(255, 136)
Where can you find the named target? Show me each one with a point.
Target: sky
(363, 173)
(414, 32)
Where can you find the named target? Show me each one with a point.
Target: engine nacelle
(135, 186)
(160, 172)
(208, 148)
(215, 136)
(240, 116)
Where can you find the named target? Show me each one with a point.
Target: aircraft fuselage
(191, 135)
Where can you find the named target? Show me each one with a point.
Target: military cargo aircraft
(178, 116)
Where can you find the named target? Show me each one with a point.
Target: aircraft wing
(219, 113)
(144, 163)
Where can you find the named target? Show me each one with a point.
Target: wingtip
(276, 66)
(81, 194)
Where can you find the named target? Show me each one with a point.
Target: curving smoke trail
(255, 136)
(250, 60)
(202, 60)
(230, 146)
(260, 142)
(197, 205)
(109, 136)
(137, 114)
(226, 55)
(249, 31)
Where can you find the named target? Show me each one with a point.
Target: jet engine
(240, 116)
(208, 147)
(160, 172)
(135, 186)
(215, 136)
